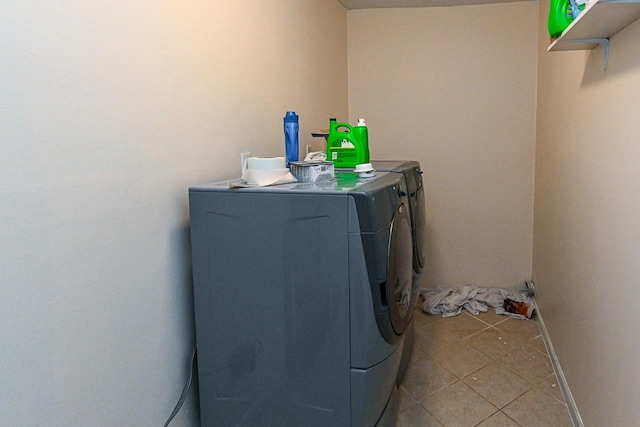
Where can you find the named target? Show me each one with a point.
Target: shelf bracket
(604, 42)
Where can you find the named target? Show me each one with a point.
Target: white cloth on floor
(450, 302)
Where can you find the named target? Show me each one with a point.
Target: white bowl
(364, 167)
(367, 174)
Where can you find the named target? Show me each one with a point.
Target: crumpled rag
(450, 302)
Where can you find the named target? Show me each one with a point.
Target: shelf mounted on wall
(596, 24)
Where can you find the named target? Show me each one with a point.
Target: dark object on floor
(519, 308)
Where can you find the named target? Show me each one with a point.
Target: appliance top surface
(345, 182)
(390, 165)
(394, 165)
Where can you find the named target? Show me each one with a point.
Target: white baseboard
(562, 381)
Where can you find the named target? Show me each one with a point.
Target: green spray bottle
(347, 146)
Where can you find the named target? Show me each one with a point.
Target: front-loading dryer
(302, 300)
(413, 175)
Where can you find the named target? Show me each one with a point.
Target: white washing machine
(303, 295)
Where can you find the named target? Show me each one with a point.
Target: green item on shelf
(560, 16)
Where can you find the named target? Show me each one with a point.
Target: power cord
(187, 386)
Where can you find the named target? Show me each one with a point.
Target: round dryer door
(400, 274)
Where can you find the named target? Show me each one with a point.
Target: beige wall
(109, 111)
(587, 221)
(455, 88)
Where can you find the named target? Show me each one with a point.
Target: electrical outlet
(243, 160)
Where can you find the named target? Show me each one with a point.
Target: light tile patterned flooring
(487, 370)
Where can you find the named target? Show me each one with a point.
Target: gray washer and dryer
(303, 296)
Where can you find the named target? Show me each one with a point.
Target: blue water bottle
(291, 127)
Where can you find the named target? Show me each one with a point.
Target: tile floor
(488, 370)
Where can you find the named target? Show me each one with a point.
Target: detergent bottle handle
(341, 126)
